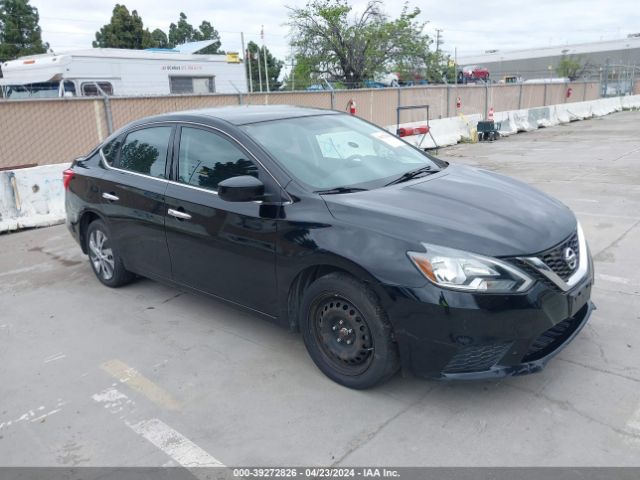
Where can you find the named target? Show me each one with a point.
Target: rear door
(133, 190)
(223, 248)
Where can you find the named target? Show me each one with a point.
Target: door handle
(111, 197)
(178, 214)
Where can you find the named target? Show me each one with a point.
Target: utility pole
(247, 61)
(455, 69)
(264, 55)
(606, 78)
(439, 42)
(438, 39)
(259, 69)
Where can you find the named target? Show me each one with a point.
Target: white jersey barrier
(31, 197)
(514, 121)
(449, 131)
(34, 197)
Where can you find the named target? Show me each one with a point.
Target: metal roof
(131, 54)
(552, 51)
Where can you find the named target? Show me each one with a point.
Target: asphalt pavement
(146, 375)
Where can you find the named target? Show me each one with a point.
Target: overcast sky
(471, 26)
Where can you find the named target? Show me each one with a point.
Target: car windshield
(328, 152)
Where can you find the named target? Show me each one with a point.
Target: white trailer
(112, 71)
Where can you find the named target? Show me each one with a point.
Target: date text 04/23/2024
(316, 472)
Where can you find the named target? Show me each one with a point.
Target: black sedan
(383, 256)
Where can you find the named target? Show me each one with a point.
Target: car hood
(461, 207)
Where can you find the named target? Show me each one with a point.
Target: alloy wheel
(100, 255)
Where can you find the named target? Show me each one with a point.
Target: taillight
(67, 175)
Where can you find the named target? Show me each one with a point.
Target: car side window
(145, 151)
(207, 158)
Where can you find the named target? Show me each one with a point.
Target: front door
(223, 248)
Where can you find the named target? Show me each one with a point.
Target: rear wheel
(346, 332)
(104, 259)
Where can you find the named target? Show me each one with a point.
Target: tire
(103, 257)
(347, 333)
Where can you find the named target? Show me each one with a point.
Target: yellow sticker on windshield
(388, 139)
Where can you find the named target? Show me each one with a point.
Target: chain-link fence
(39, 132)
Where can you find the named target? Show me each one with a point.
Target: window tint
(145, 151)
(207, 158)
(110, 150)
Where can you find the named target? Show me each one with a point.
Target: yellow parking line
(134, 379)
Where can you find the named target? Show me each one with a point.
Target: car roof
(244, 114)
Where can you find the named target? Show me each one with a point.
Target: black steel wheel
(342, 334)
(346, 332)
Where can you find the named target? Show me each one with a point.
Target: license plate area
(578, 298)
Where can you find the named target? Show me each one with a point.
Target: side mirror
(241, 189)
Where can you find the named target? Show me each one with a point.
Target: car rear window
(111, 149)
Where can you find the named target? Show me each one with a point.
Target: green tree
(569, 67)
(274, 66)
(302, 75)
(20, 32)
(207, 32)
(354, 47)
(159, 39)
(125, 30)
(183, 32)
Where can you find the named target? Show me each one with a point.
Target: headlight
(460, 270)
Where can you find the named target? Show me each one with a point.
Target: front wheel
(346, 332)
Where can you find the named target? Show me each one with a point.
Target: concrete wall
(43, 132)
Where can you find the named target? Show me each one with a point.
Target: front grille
(554, 258)
(533, 273)
(477, 358)
(552, 338)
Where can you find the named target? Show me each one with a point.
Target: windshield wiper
(412, 174)
(333, 191)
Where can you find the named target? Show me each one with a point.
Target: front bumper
(457, 335)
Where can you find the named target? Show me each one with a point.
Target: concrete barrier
(31, 197)
(524, 120)
(449, 131)
(445, 131)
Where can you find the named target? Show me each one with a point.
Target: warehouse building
(611, 61)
